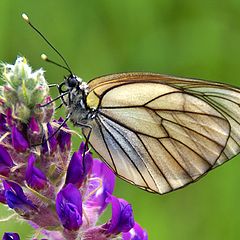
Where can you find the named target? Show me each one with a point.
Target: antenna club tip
(44, 57)
(25, 17)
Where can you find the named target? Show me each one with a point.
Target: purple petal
(44, 145)
(101, 179)
(3, 126)
(136, 233)
(81, 148)
(35, 177)
(9, 117)
(75, 174)
(2, 194)
(63, 138)
(69, 207)
(16, 198)
(18, 140)
(77, 171)
(6, 162)
(122, 216)
(88, 160)
(33, 125)
(10, 236)
(52, 139)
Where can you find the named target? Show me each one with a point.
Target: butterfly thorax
(75, 100)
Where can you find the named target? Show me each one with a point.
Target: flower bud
(33, 125)
(6, 162)
(63, 137)
(78, 167)
(69, 207)
(23, 87)
(35, 178)
(16, 199)
(122, 216)
(22, 112)
(19, 142)
(3, 126)
(10, 96)
(10, 236)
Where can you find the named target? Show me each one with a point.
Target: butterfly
(158, 132)
(155, 131)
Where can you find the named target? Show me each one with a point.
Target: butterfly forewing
(160, 132)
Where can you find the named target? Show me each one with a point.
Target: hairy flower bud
(23, 89)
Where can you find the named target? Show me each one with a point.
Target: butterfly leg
(58, 129)
(83, 125)
(58, 107)
(53, 100)
(53, 85)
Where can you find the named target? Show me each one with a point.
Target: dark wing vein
(188, 148)
(155, 163)
(129, 144)
(180, 165)
(122, 124)
(106, 145)
(162, 95)
(190, 129)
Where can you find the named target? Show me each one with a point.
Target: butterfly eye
(72, 81)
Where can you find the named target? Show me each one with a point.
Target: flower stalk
(62, 195)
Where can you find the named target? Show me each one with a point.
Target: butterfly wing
(160, 132)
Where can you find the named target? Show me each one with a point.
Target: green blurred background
(199, 39)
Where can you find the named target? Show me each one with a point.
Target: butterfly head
(73, 83)
(75, 91)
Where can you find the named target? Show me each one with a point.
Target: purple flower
(63, 138)
(34, 176)
(122, 216)
(100, 184)
(121, 221)
(6, 162)
(16, 199)
(38, 170)
(77, 168)
(19, 142)
(10, 236)
(136, 233)
(69, 207)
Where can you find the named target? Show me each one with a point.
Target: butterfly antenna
(26, 19)
(44, 57)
